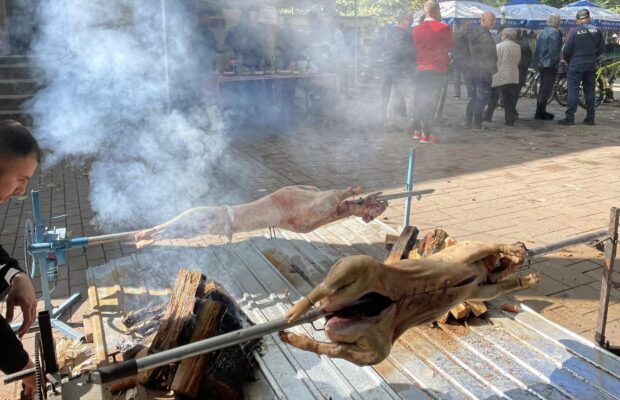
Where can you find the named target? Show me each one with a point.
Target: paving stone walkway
(537, 182)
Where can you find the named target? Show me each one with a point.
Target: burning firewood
(295, 208)
(196, 310)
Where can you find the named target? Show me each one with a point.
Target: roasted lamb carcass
(295, 208)
(400, 296)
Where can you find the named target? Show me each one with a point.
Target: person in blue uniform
(582, 50)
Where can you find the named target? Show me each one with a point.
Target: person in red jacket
(433, 41)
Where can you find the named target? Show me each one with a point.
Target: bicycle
(604, 78)
(531, 84)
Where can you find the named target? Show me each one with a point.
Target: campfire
(197, 310)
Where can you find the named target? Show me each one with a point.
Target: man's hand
(21, 294)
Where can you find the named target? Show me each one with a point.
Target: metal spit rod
(83, 241)
(128, 368)
(393, 196)
(552, 247)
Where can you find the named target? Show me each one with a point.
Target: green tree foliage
(387, 8)
(384, 8)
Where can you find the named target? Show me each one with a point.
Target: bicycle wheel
(530, 83)
(599, 94)
(561, 91)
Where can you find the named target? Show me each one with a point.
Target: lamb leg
(470, 252)
(349, 352)
(489, 292)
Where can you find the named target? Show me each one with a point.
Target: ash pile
(197, 310)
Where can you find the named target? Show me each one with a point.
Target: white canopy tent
(601, 17)
(532, 14)
(460, 11)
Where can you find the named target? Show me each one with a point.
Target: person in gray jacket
(547, 60)
(506, 79)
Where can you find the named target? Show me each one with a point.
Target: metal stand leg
(58, 324)
(409, 187)
(609, 247)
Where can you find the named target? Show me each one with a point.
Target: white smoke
(106, 100)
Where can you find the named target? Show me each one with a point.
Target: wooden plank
(88, 328)
(403, 245)
(391, 239)
(95, 318)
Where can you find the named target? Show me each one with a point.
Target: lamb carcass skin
(295, 208)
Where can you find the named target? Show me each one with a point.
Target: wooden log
(190, 374)
(444, 318)
(403, 245)
(460, 311)
(179, 312)
(390, 241)
(477, 307)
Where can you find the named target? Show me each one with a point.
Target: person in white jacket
(506, 79)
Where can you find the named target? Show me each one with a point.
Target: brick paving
(537, 183)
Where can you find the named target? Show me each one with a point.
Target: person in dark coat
(400, 58)
(526, 56)
(481, 65)
(546, 60)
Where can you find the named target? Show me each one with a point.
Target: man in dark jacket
(547, 60)
(481, 65)
(582, 50)
(400, 70)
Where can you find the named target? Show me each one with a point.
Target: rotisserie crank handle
(385, 197)
(129, 368)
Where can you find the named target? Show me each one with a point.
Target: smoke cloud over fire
(106, 100)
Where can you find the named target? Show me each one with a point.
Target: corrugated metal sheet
(510, 356)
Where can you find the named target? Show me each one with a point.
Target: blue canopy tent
(601, 17)
(532, 14)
